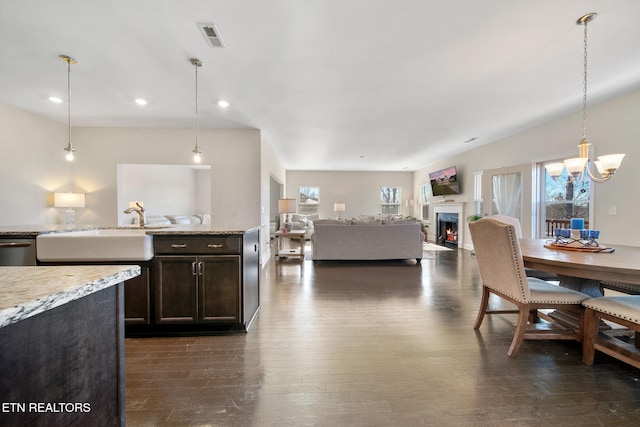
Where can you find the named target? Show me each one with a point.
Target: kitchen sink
(95, 245)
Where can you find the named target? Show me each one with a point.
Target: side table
(295, 235)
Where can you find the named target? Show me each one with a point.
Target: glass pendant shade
(554, 169)
(609, 163)
(576, 165)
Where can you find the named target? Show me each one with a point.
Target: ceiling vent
(211, 35)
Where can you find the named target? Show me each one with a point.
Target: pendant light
(69, 148)
(197, 153)
(606, 165)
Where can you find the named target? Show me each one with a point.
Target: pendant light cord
(69, 103)
(197, 145)
(196, 151)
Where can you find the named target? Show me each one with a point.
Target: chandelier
(606, 165)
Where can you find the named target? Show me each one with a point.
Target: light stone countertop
(34, 230)
(200, 229)
(27, 291)
(188, 229)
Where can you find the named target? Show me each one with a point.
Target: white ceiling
(332, 84)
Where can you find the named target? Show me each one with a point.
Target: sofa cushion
(400, 221)
(299, 218)
(184, 219)
(332, 222)
(154, 220)
(366, 222)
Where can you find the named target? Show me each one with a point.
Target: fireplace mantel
(456, 208)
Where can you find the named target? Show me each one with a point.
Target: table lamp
(69, 201)
(339, 207)
(287, 206)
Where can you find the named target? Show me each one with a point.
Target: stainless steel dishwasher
(17, 251)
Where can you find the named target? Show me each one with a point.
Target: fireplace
(447, 230)
(446, 210)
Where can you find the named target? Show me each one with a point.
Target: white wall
(270, 167)
(33, 165)
(613, 127)
(163, 189)
(360, 191)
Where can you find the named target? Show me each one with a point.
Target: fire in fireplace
(447, 231)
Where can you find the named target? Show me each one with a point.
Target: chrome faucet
(139, 210)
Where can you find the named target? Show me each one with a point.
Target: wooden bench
(621, 310)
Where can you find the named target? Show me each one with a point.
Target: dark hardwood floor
(374, 344)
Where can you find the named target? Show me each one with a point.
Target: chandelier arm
(594, 178)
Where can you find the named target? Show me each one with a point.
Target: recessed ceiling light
(141, 101)
(55, 99)
(223, 103)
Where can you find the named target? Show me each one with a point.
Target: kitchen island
(196, 279)
(206, 280)
(62, 345)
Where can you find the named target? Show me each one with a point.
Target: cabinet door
(136, 299)
(219, 290)
(175, 289)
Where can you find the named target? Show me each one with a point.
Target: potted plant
(473, 217)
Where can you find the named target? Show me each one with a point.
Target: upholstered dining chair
(544, 275)
(502, 272)
(621, 310)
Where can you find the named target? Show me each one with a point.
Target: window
(390, 200)
(425, 195)
(309, 201)
(564, 199)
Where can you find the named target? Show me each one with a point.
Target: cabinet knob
(179, 245)
(214, 246)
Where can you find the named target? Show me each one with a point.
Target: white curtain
(507, 193)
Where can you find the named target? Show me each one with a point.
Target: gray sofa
(366, 240)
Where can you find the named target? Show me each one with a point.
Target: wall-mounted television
(444, 182)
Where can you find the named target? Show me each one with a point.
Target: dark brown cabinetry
(137, 304)
(204, 283)
(197, 289)
(137, 291)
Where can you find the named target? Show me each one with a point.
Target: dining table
(585, 271)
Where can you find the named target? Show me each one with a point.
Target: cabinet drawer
(197, 245)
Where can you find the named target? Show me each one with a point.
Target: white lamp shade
(339, 207)
(576, 165)
(287, 206)
(609, 162)
(554, 169)
(68, 200)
